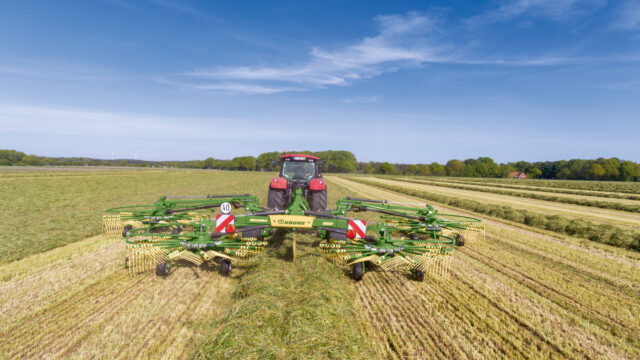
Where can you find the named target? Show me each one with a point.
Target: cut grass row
(305, 309)
(558, 199)
(532, 187)
(624, 220)
(606, 234)
(287, 310)
(605, 186)
(520, 294)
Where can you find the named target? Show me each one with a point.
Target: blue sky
(397, 81)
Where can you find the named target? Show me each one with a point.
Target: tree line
(612, 169)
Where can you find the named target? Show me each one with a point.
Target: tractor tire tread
(276, 199)
(318, 200)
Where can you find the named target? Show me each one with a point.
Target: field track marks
(608, 299)
(436, 319)
(558, 323)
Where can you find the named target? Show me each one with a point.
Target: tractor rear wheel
(162, 269)
(276, 199)
(459, 240)
(318, 200)
(225, 267)
(358, 271)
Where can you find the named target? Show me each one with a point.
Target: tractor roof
(301, 155)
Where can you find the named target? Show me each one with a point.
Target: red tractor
(298, 171)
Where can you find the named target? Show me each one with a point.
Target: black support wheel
(418, 275)
(459, 240)
(126, 230)
(358, 271)
(177, 230)
(162, 269)
(336, 235)
(276, 199)
(257, 233)
(225, 267)
(318, 200)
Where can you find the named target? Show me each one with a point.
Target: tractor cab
(299, 168)
(298, 171)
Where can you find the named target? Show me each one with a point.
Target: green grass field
(525, 292)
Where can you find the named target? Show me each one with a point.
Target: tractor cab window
(298, 171)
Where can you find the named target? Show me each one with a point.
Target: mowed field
(523, 292)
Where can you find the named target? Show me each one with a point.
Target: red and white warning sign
(359, 226)
(222, 220)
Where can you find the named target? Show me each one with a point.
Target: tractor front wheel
(276, 199)
(225, 267)
(318, 200)
(358, 271)
(162, 269)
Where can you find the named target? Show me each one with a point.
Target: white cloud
(409, 40)
(628, 16)
(550, 9)
(186, 9)
(363, 99)
(403, 40)
(233, 87)
(59, 70)
(82, 122)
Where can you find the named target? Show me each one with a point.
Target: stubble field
(524, 292)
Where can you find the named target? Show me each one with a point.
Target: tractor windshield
(301, 171)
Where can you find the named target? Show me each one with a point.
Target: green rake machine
(229, 228)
